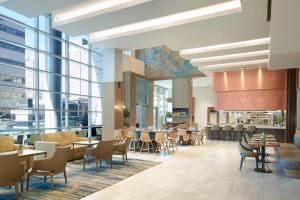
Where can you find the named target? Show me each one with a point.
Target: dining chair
(245, 152)
(146, 142)
(133, 141)
(160, 139)
(99, 133)
(198, 136)
(83, 133)
(173, 140)
(103, 151)
(184, 137)
(11, 171)
(251, 130)
(51, 166)
(119, 135)
(121, 148)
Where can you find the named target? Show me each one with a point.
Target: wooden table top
(270, 141)
(30, 152)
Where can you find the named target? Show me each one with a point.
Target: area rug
(81, 183)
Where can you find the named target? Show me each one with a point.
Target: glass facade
(162, 105)
(49, 81)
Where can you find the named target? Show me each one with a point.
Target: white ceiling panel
(250, 24)
(32, 8)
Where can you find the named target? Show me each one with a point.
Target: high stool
(215, 129)
(119, 135)
(133, 141)
(227, 129)
(238, 131)
(160, 139)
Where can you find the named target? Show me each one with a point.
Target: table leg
(263, 162)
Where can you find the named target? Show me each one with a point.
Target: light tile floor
(209, 172)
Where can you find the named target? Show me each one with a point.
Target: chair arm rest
(120, 147)
(49, 147)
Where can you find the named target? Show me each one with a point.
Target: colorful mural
(163, 63)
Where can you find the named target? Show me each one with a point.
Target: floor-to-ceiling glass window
(49, 81)
(162, 106)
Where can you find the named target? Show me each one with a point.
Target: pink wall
(256, 89)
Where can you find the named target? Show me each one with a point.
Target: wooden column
(291, 103)
(150, 108)
(119, 105)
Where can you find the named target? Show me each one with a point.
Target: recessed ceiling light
(235, 64)
(216, 10)
(231, 56)
(219, 47)
(91, 8)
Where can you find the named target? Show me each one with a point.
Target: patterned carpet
(80, 183)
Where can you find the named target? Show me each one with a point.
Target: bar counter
(278, 132)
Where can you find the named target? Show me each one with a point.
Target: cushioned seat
(288, 156)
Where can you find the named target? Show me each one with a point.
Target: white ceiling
(249, 24)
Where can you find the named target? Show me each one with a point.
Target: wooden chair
(160, 139)
(122, 149)
(146, 142)
(184, 137)
(198, 137)
(11, 171)
(119, 135)
(103, 151)
(173, 139)
(52, 166)
(133, 141)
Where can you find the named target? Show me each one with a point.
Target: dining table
(261, 141)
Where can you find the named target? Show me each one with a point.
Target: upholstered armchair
(52, 166)
(103, 151)
(12, 172)
(122, 148)
(245, 152)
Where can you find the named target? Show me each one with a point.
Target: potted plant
(126, 115)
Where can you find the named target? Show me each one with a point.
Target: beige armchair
(12, 172)
(52, 166)
(122, 148)
(103, 151)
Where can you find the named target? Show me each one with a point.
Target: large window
(49, 81)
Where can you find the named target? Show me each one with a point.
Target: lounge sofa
(49, 143)
(288, 156)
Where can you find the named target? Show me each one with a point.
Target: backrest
(119, 135)
(20, 139)
(145, 137)
(10, 168)
(52, 137)
(60, 158)
(104, 149)
(33, 138)
(132, 135)
(239, 128)
(99, 131)
(83, 133)
(7, 144)
(215, 128)
(173, 134)
(160, 137)
(68, 138)
(227, 128)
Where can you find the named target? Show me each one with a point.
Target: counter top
(258, 126)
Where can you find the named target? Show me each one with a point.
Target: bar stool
(146, 142)
(119, 135)
(215, 129)
(173, 139)
(227, 129)
(239, 129)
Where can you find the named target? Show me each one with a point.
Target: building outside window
(49, 81)
(162, 105)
